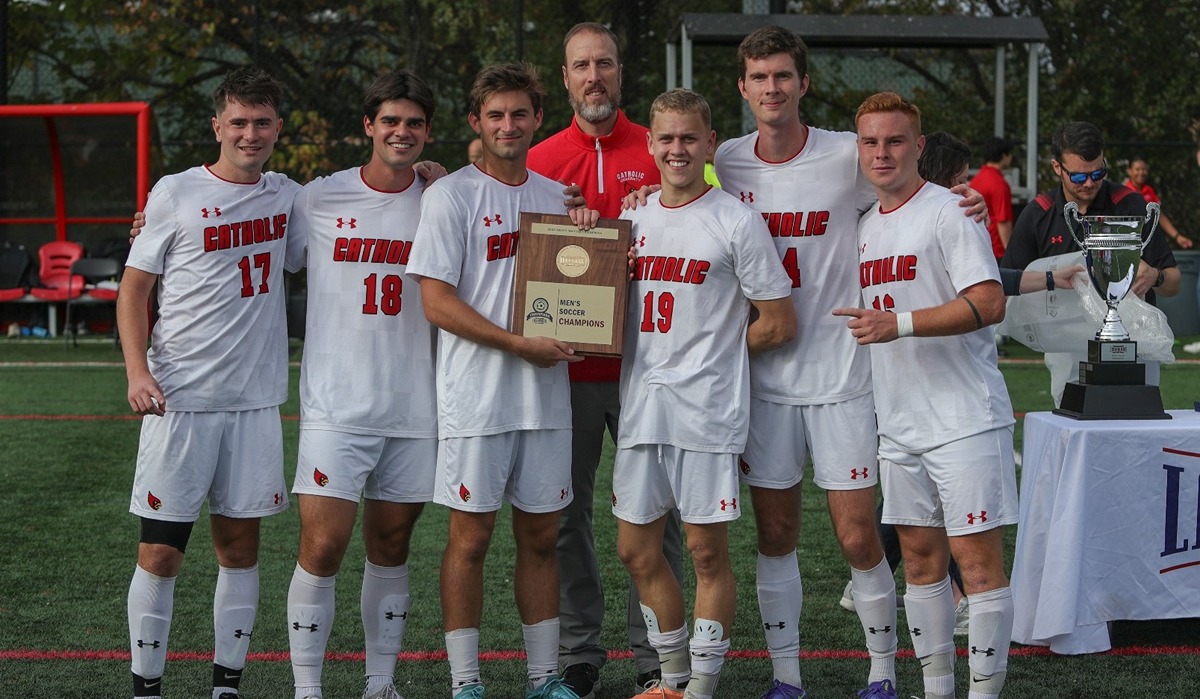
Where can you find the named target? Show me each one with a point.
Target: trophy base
(1104, 373)
(1083, 401)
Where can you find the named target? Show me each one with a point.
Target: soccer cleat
(385, 692)
(883, 689)
(647, 680)
(657, 690)
(474, 691)
(552, 689)
(962, 617)
(847, 600)
(583, 679)
(783, 690)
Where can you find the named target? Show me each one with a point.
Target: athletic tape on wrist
(904, 324)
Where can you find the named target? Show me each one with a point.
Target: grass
(70, 549)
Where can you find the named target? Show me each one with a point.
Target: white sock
(875, 603)
(541, 651)
(235, 604)
(780, 599)
(707, 659)
(384, 607)
(930, 612)
(310, 619)
(673, 656)
(149, 607)
(988, 636)
(462, 650)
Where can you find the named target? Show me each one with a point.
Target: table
(1108, 527)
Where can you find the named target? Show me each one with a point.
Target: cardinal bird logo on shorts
(320, 478)
(153, 501)
(745, 467)
(463, 492)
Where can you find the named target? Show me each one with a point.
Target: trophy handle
(1071, 214)
(1153, 212)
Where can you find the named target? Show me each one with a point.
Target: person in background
(1139, 181)
(603, 153)
(990, 182)
(1041, 230)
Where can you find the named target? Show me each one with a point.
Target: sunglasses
(1081, 177)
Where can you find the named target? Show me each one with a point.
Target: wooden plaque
(572, 285)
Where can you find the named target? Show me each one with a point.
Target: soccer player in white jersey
(704, 260)
(504, 409)
(368, 414)
(931, 288)
(211, 383)
(812, 397)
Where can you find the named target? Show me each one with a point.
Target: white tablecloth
(1096, 542)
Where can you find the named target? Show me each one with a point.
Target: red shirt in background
(990, 182)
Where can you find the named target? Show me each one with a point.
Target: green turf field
(69, 443)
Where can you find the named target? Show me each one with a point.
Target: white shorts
(841, 437)
(233, 459)
(649, 480)
(531, 469)
(966, 486)
(345, 465)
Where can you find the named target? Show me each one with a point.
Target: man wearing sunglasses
(1041, 230)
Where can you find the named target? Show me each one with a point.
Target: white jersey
(468, 238)
(219, 248)
(930, 391)
(811, 204)
(368, 349)
(685, 375)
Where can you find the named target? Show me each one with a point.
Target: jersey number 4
(665, 308)
(792, 266)
(262, 261)
(387, 291)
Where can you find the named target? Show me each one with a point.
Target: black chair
(93, 269)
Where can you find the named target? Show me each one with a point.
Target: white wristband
(904, 324)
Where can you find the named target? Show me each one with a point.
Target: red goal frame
(49, 113)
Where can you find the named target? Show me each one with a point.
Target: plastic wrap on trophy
(1112, 247)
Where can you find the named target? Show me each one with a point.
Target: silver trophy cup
(1112, 246)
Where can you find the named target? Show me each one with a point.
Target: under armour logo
(862, 248)
(347, 223)
(855, 473)
(562, 495)
(989, 652)
(151, 644)
(392, 616)
(642, 242)
(216, 211)
(488, 221)
(915, 631)
(278, 498)
(312, 628)
(972, 517)
(1056, 239)
(746, 197)
(886, 629)
(732, 504)
(780, 625)
(238, 633)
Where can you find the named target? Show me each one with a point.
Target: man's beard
(598, 113)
